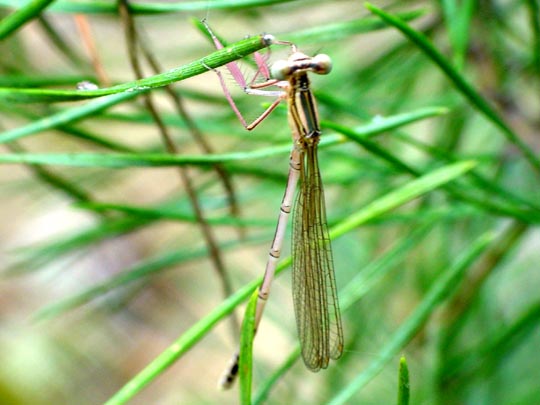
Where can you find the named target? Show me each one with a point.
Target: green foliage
(430, 166)
(404, 385)
(245, 364)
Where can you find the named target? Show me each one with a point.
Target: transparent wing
(314, 288)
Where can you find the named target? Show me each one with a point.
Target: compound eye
(321, 64)
(281, 70)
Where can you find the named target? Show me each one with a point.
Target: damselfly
(315, 300)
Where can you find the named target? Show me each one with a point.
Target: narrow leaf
(219, 58)
(27, 13)
(100, 6)
(442, 288)
(403, 383)
(402, 195)
(246, 349)
(459, 82)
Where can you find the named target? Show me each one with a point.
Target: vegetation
(137, 213)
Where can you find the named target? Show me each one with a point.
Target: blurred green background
(430, 164)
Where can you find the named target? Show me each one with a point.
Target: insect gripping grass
(315, 300)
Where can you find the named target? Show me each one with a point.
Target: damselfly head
(297, 62)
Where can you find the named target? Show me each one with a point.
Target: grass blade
(403, 383)
(375, 127)
(402, 195)
(459, 82)
(333, 32)
(155, 7)
(245, 363)
(458, 19)
(444, 286)
(219, 58)
(27, 13)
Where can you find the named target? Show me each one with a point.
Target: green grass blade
(534, 17)
(125, 160)
(23, 80)
(334, 32)
(441, 289)
(377, 269)
(174, 214)
(479, 180)
(406, 193)
(107, 7)
(17, 19)
(119, 160)
(219, 58)
(467, 194)
(61, 120)
(381, 124)
(458, 20)
(459, 82)
(65, 117)
(245, 363)
(403, 383)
